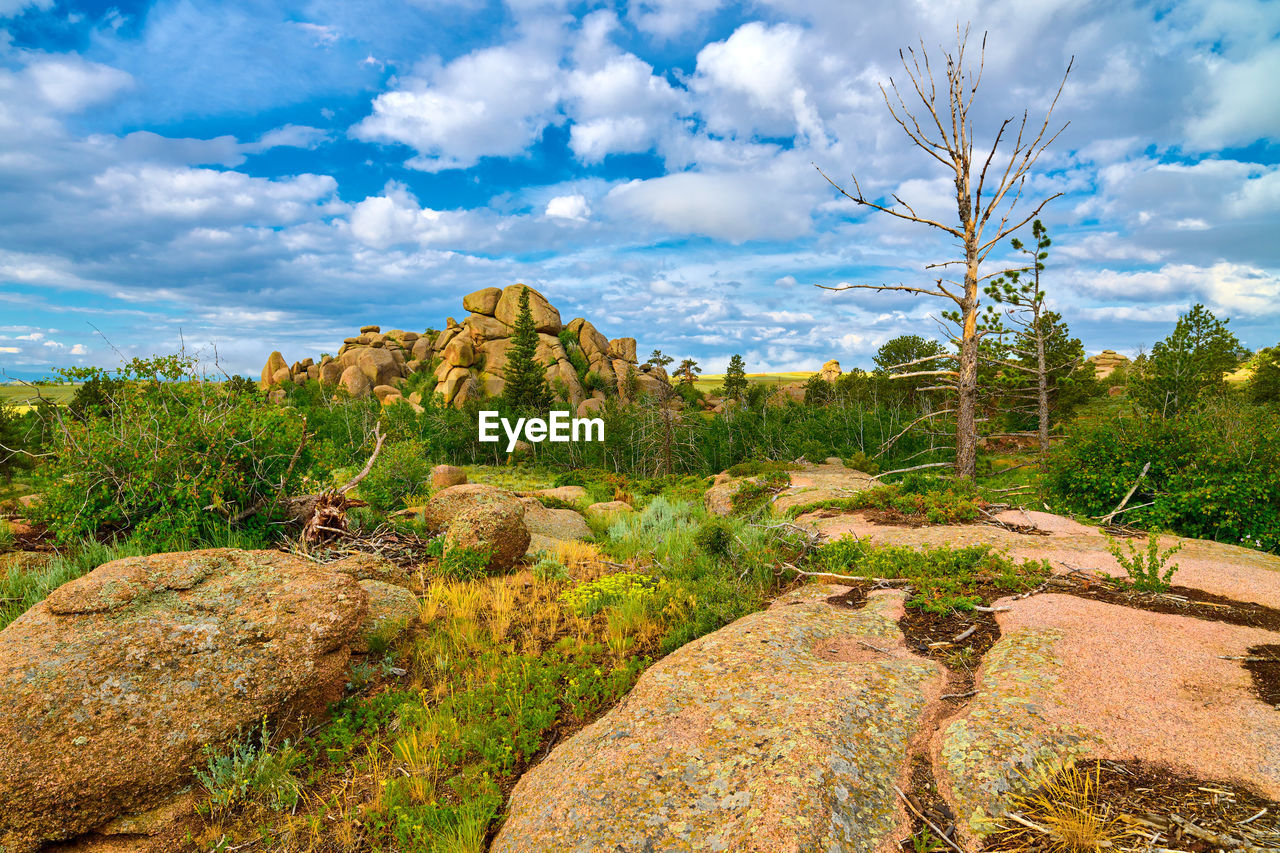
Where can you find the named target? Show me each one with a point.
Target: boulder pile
(468, 360)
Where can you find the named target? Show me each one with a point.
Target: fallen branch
(965, 634)
(1132, 489)
(913, 468)
(938, 832)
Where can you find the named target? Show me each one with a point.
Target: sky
(240, 177)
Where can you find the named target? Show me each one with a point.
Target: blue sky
(248, 176)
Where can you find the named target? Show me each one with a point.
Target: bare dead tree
(986, 212)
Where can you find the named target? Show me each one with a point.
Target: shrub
(401, 469)
(714, 537)
(943, 578)
(171, 458)
(1147, 571)
(465, 564)
(815, 451)
(1215, 471)
(590, 598)
(251, 770)
(1264, 385)
(549, 570)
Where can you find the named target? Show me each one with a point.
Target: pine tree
(688, 371)
(735, 378)
(660, 359)
(526, 378)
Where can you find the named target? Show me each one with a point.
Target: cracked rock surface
(784, 731)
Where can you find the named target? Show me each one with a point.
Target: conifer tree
(735, 378)
(526, 378)
(688, 371)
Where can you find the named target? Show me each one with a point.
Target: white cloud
(1242, 109)
(751, 82)
(492, 102)
(669, 18)
(289, 136)
(568, 207)
(213, 195)
(731, 207)
(395, 218)
(13, 8)
(69, 84)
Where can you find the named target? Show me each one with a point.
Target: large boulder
(446, 476)
(594, 345)
(460, 352)
(115, 683)
(623, 348)
(494, 354)
(378, 365)
(275, 362)
(784, 731)
(545, 317)
(486, 328)
(355, 382)
(830, 371)
(483, 301)
(496, 528)
(447, 504)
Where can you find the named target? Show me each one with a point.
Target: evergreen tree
(1044, 365)
(1185, 366)
(526, 378)
(735, 378)
(1264, 387)
(659, 359)
(688, 371)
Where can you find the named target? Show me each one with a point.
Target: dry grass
(1066, 812)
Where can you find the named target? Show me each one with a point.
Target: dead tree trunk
(944, 132)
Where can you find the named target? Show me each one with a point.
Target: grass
(710, 381)
(24, 396)
(918, 499)
(943, 579)
(495, 669)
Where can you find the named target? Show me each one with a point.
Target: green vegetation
(942, 579)
(401, 470)
(1146, 570)
(526, 378)
(919, 499)
(251, 770)
(1215, 471)
(735, 379)
(167, 458)
(1186, 366)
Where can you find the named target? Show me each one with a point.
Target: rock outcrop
(1106, 362)
(468, 360)
(786, 730)
(115, 683)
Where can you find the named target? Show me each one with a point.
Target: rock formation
(792, 723)
(468, 360)
(1105, 362)
(116, 683)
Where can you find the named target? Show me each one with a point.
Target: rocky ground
(836, 719)
(790, 729)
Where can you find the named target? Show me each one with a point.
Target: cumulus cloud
(568, 207)
(395, 217)
(488, 103)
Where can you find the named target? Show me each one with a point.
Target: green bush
(943, 578)
(401, 469)
(714, 537)
(1146, 571)
(252, 770)
(1215, 471)
(465, 564)
(171, 458)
